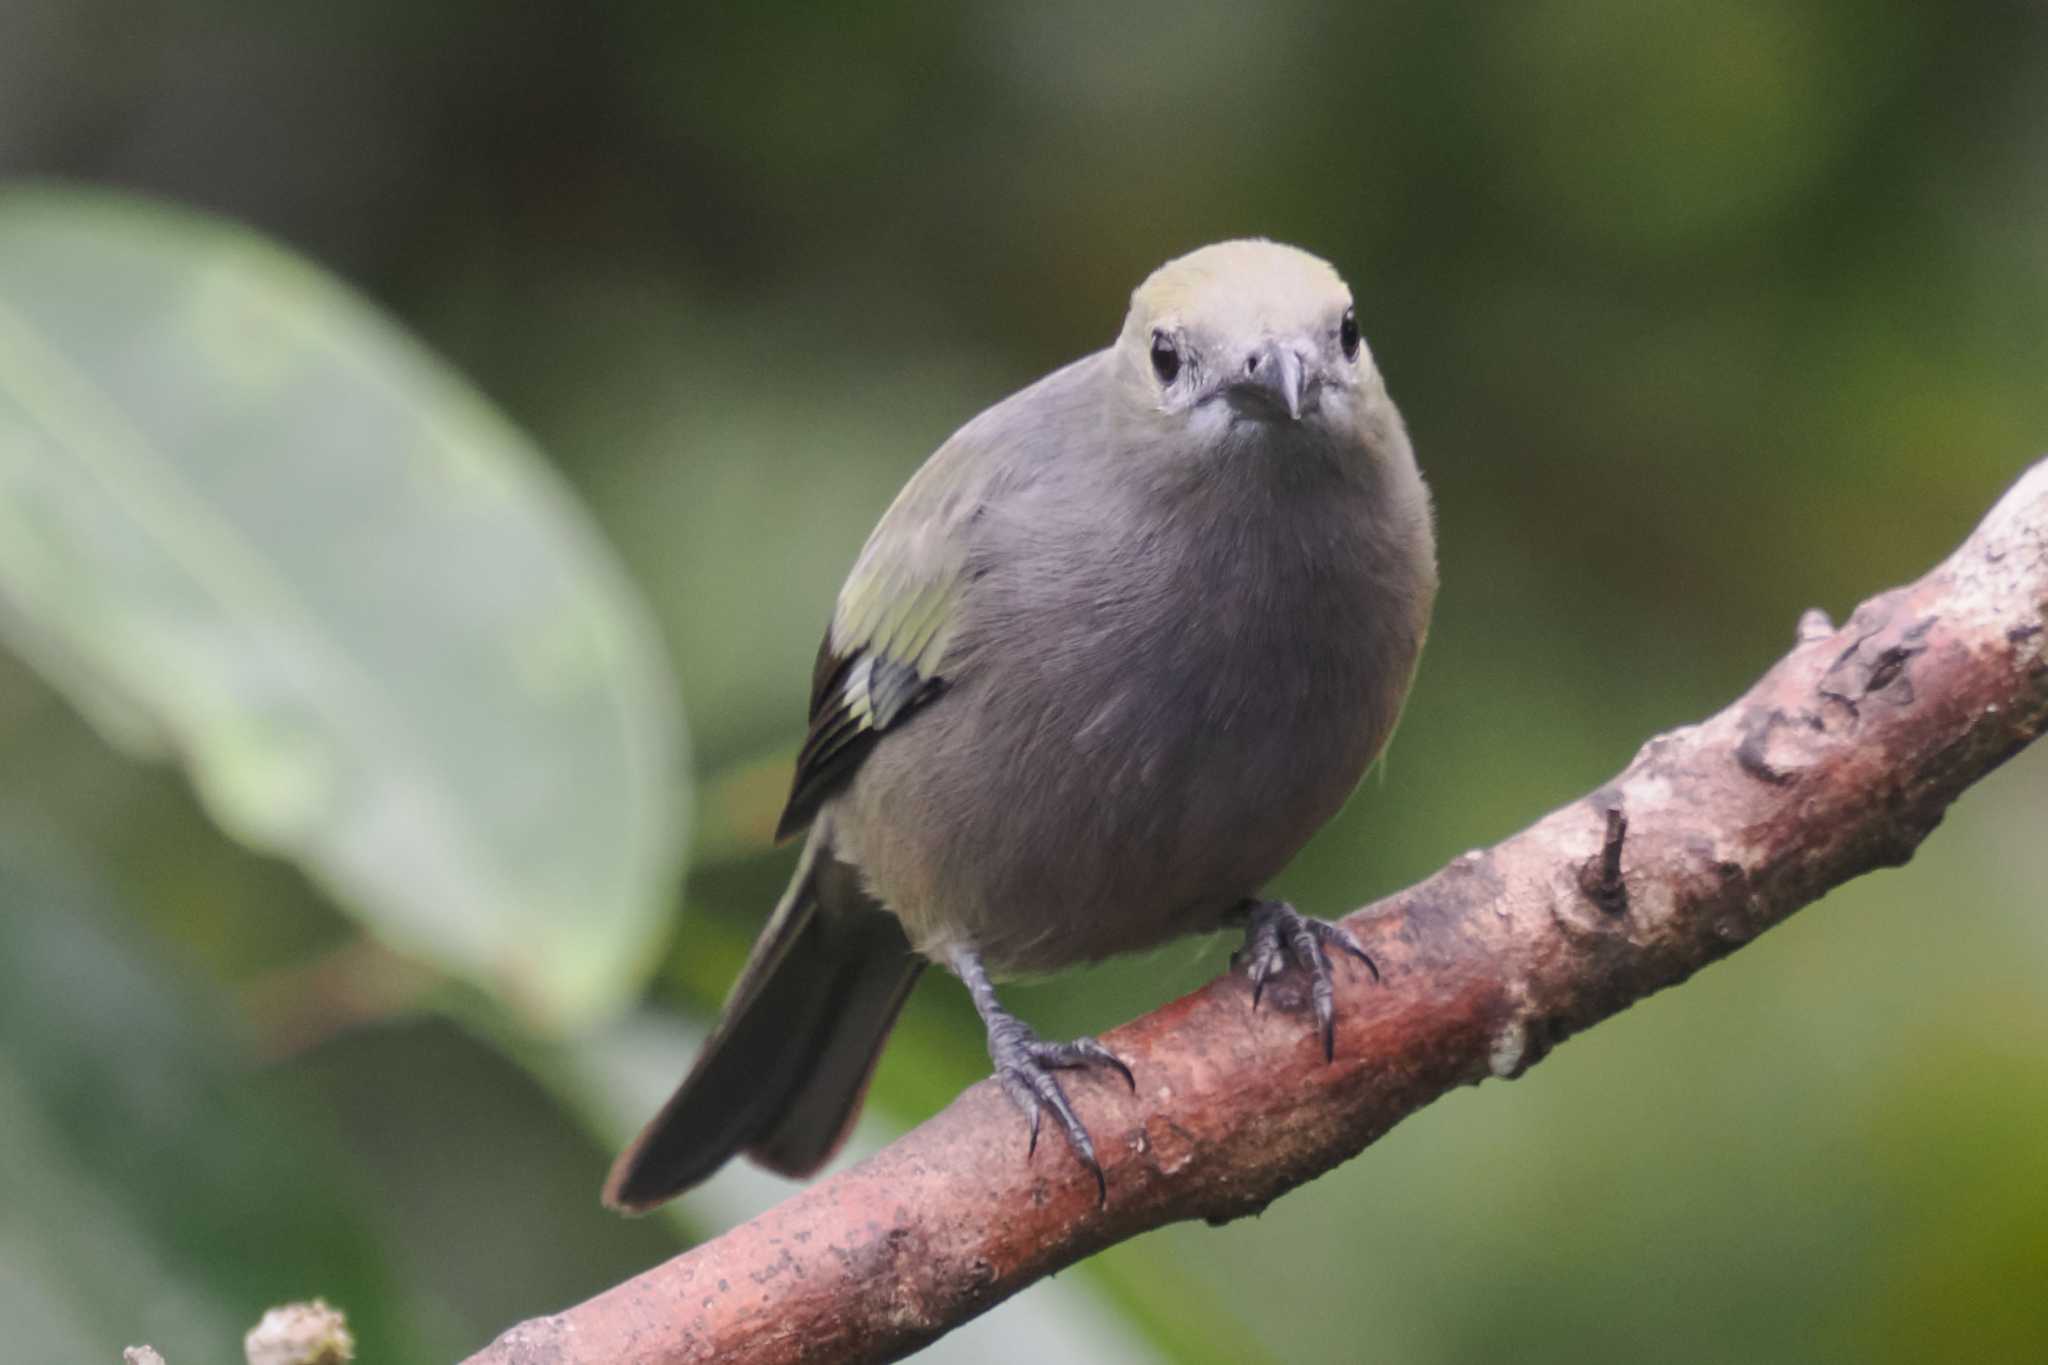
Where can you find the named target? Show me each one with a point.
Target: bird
(1119, 647)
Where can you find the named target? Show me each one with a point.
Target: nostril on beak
(1251, 364)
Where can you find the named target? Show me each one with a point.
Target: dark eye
(1347, 334)
(1165, 359)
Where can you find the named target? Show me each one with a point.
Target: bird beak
(1274, 373)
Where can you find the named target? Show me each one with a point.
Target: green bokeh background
(1700, 313)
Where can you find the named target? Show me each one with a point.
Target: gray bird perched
(1115, 652)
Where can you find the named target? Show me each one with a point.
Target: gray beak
(1274, 371)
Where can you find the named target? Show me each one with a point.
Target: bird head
(1248, 332)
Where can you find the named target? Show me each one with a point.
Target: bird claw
(1025, 1065)
(1278, 936)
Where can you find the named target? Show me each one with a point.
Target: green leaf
(246, 522)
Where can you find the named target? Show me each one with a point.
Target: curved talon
(1086, 1052)
(1275, 933)
(1344, 939)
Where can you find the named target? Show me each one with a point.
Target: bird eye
(1165, 359)
(1347, 334)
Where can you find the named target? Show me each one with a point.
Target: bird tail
(782, 1075)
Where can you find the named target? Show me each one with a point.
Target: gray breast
(1158, 701)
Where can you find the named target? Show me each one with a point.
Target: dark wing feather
(855, 697)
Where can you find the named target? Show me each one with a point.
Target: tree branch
(1840, 759)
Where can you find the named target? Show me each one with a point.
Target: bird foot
(1025, 1064)
(1276, 935)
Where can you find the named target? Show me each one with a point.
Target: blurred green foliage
(1701, 311)
(248, 524)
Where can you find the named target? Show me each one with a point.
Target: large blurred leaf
(245, 521)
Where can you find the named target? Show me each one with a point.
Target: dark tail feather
(782, 1075)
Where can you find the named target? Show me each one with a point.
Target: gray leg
(1275, 932)
(1025, 1063)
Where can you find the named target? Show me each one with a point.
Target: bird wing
(886, 652)
(894, 635)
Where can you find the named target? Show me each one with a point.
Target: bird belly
(1072, 814)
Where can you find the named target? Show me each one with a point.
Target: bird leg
(1025, 1064)
(1274, 933)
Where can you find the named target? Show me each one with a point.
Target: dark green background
(1700, 313)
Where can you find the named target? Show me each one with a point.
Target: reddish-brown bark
(1839, 760)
